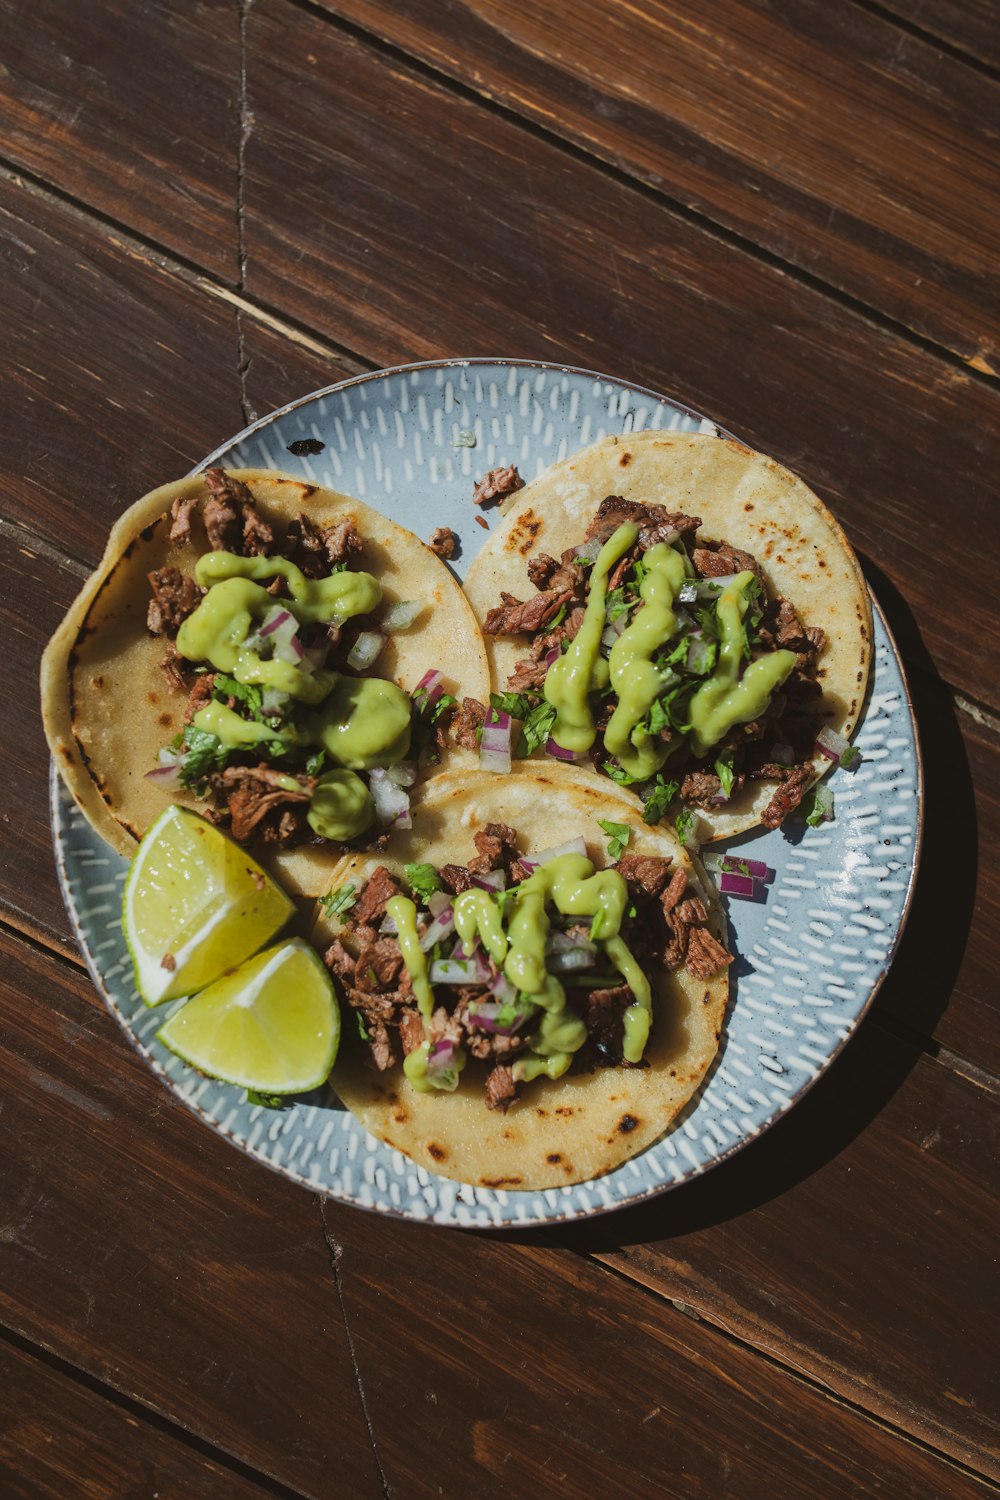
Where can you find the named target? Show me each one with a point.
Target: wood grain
(364, 222)
(132, 109)
(134, 381)
(140, 1247)
(541, 1372)
(970, 26)
(59, 1438)
(853, 1241)
(861, 155)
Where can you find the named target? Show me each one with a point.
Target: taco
(265, 651)
(699, 631)
(539, 980)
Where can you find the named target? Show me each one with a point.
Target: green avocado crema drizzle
(722, 700)
(573, 886)
(360, 722)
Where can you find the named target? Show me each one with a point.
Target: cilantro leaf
(617, 604)
(849, 756)
(422, 880)
(203, 754)
(658, 717)
(638, 570)
(536, 728)
(518, 705)
(336, 903)
(659, 797)
(618, 773)
(683, 825)
(724, 771)
(817, 806)
(618, 837)
(362, 1028)
(265, 1101)
(502, 897)
(315, 763)
(246, 693)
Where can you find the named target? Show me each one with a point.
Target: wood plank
(860, 154)
(134, 110)
(364, 222)
(577, 1385)
(61, 1438)
(855, 1242)
(947, 987)
(139, 384)
(137, 1245)
(971, 26)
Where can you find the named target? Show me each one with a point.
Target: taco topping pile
(284, 734)
(664, 658)
(535, 964)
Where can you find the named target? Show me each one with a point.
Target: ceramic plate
(411, 442)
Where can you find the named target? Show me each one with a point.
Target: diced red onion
(565, 963)
(735, 864)
(392, 805)
(501, 988)
(494, 747)
(440, 928)
(559, 752)
(167, 778)
(403, 774)
(273, 702)
(831, 744)
(552, 656)
(388, 926)
(441, 1061)
(484, 1017)
(688, 592)
(280, 627)
(561, 942)
(587, 551)
(438, 902)
(431, 685)
(168, 756)
(476, 962)
(573, 846)
(710, 588)
(401, 616)
(491, 880)
(453, 971)
(737, 885)
(365, 650)
(613, 630)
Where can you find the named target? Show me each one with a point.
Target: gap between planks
(974, 365)
(139, 1412)
(607, 1259)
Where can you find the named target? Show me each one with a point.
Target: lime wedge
(272, 1025)
(195, 905)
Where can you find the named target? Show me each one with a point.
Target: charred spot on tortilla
(625, 459)
(438, 1152)
(501, 1182)
(554, 1156)
(627, 1124)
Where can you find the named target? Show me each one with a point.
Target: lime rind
(272, 1026)
(193, 896)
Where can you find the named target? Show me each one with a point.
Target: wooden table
(784, 213)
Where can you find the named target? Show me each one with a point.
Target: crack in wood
(336, 1254)
(245, 131)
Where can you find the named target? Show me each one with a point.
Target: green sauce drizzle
(636, 681)
(570, 679)
(725, 699)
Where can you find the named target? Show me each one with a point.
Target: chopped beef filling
(259, 807)
(175, 596)
(176, 669)
(444, 542)
(315, 551)
(668, 925)
(232, 522)
(182, 513)
(793, 717)
(467, 723)
(514, 617)
(497, 485)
